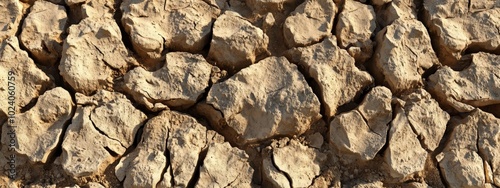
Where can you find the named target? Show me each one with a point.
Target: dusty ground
(255, 93)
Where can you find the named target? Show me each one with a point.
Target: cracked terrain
(249, 93)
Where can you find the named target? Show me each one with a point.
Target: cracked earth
(249, 93)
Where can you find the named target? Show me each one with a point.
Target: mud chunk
(458, 26)
(477, 85)
(225, 166)
(230, 47)
(355, 27)
(12, 13)
(257, 109)
(155, 26)
(403, 54)
(39, 129)
(111, 121)
(426, 118)
(333, 70)
(26, 79)
(42, 31)
(170, 136)
(178, 84)
(294, 160)
(404, 154)
(310, 22)
(470, 150)
(93, 53)
(362, 132)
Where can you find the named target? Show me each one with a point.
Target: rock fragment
(459, 26)
(403, 54)
(230, 47)
(362, 132)
(404, 154)
(156, 26)
(12, 13)
(225, 166)
(43, 124)
(426, 118)
(178, 84)
(296, 161)
(93, 53)
(42, 31)
(257, 109)
(27, 80)
(310, 22)
(170, 141)
(333, 70)
(397, 9)
(354, 29)
(111, 121)
(477, 85)
(470, 145)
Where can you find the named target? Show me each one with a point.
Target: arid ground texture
(249, 93)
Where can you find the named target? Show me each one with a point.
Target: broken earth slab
(426, 118)
(470, 156)
(362, 132)
(26, 79)
(397, 9)
(471, 145)
(230, 47)
(12, 12)
(333, 70)
(478, 85)
(254, 109)
(461, 26)
(225, 166)
(94, 55)
(403, 53)
(171, 146)
(43, 124)
(355, 27)
(42, 32)
(112, 122)
(178, 84)
(289, 163)
(309, 23)
(155, 26)
(404, 155)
